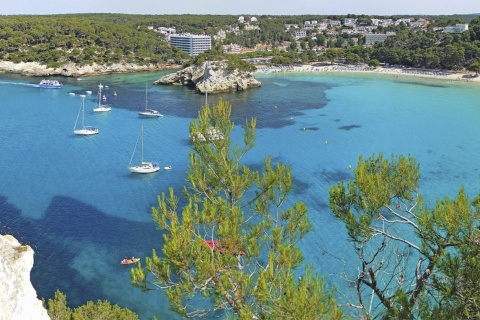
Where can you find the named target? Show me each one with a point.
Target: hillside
(56, 40)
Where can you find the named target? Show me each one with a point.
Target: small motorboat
(167, 168)
(88, 92)
(126, 261)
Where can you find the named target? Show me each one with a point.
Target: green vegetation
(54, 40)
(58, 310)
(253, 273)
(110, 38)
(234, 61)
(412, 261)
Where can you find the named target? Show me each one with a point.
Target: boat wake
(20, 84)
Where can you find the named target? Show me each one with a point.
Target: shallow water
(75, 202)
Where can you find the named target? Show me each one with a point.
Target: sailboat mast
(146, 98)
(83, 111)
(142, 144)
(99, 94)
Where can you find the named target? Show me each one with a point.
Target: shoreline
(71, 70)
(35, 69)
(465, 76)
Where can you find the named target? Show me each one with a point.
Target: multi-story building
(459, 28)
(371, 38)
(349, 21)
(300, 34)
(191, 43)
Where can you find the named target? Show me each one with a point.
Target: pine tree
(232, 247)
(413, 261)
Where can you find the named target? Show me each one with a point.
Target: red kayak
(214, 245)
(130, 261)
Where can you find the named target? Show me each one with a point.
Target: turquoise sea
(75, 202)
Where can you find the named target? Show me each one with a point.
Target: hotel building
(190, 43)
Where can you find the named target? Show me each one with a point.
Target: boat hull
(145, 167)
(150, 113)
(102, 109)
(49, 86)
(129, 261)
(85, 132)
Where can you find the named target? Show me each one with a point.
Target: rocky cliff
(212, 76)
(18, 298)
(73, 70)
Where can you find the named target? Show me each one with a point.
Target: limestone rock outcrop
(72, 70)
(18, 298)
(211, 76)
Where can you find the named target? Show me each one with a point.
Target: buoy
(304, 129)
(326, 141)
(350, 166)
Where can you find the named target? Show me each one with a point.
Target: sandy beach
(402, 71)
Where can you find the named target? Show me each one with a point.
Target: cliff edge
(18, 298)
(71, 69)
(213, 76)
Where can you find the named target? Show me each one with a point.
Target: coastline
(72, 70)
(463, 76)
(35, 69)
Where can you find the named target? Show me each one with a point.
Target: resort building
(459, 28)
(371, 38)
(190, 43)
(349, 21)
(300, 34)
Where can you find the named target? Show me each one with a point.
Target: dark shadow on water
(68, 221)
(423, 83)
(332, 177)
(353, 126)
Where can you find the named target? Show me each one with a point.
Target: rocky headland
(73, 70)
(211, 76)
(18, 298)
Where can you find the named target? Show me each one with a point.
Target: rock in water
(211, 76)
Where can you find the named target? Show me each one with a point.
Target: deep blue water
(75, 202)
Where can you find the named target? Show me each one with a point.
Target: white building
(349, 21)
(300, 34)
(190, 43)
(371, 38)
(459, 28)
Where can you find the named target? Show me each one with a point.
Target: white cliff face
(211, 76)
(18, 298)
(72, 70)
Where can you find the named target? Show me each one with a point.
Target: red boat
(215, 246)
(130, 261)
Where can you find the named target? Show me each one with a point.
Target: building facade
(190, 43)
(371, 38)
(459, 28)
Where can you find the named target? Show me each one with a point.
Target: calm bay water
(75, 202)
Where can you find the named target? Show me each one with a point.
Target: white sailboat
(149, 112)
(211, 132)
(84, 130)
(144, 166)
(101, 107)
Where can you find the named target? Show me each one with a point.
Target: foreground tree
(58, 310)
(408, 255)
(232, 247)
